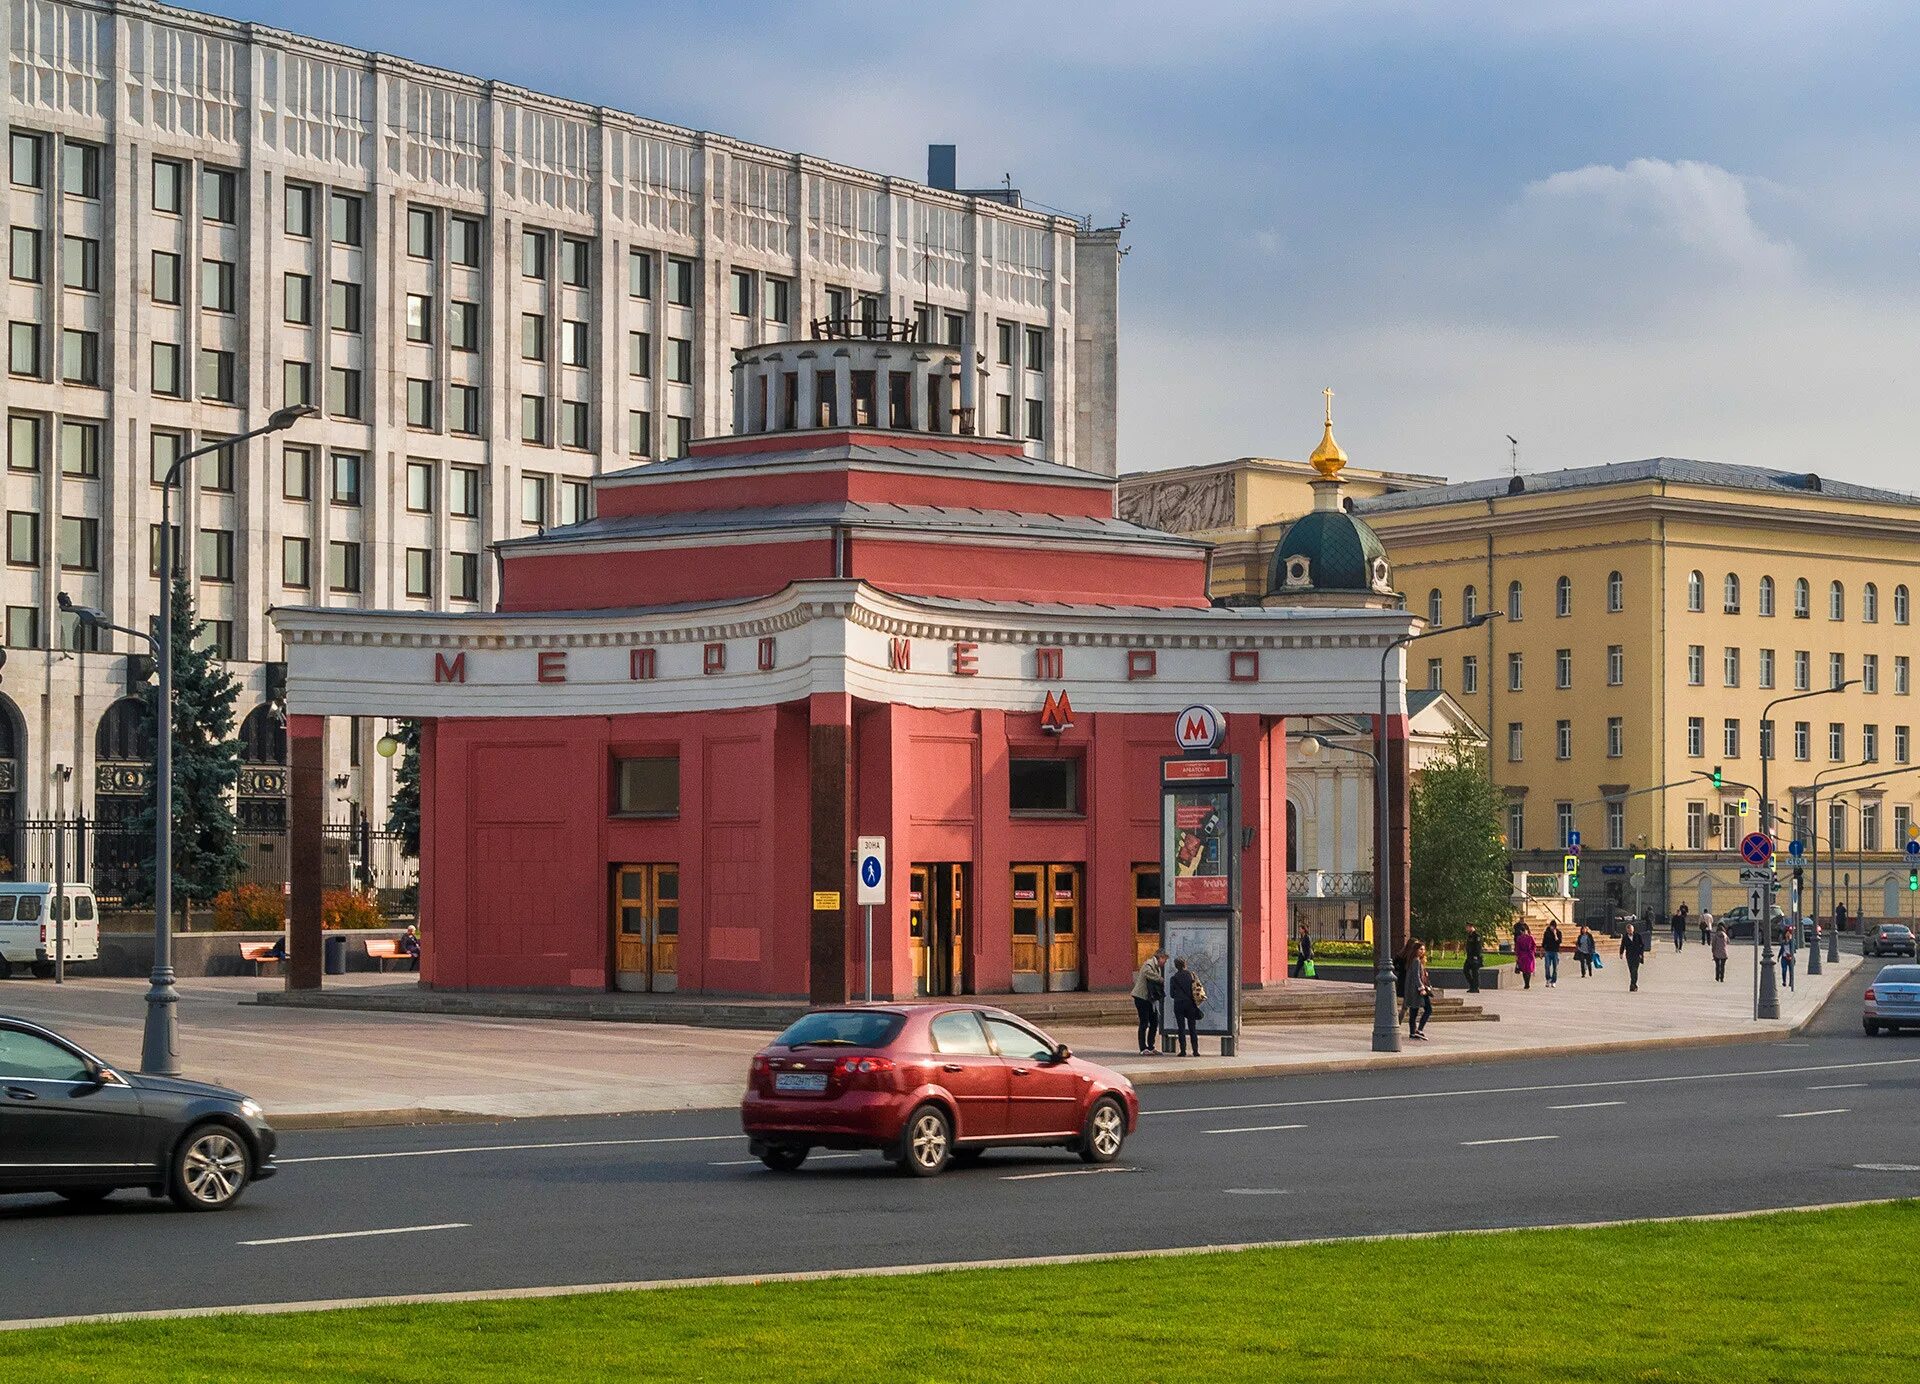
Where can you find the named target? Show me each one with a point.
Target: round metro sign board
(1199, 728)
(1755, 848)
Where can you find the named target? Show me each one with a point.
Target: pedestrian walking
(1634, 948)
(1787, 942)
(1149, 991)
(1523, 953)
(1188, 995)
(1706, 928)
(1304, 965)
(1680, 928)
(1550, 953)
(1720, 951)
(1476, 958)
(1583, 950)
(1419, 991)
(1840, 917)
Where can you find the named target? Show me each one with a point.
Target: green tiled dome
(1340, 550)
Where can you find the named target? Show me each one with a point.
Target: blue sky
(1613, 230)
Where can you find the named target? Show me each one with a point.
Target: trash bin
(336, 955)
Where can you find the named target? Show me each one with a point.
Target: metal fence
(110, 857)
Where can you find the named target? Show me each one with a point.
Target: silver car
(1888, 937)
(1893, 1000)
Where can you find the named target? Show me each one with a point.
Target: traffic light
(1799, 877)
(1913, 880)
(1716, 776)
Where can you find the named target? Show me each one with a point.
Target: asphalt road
(1826, 1118)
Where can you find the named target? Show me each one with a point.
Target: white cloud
(1654, 206)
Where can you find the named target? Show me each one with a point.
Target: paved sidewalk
(344, 1066)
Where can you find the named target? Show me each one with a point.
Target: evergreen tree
(206, 768)
(404, 814)
(1459, 850)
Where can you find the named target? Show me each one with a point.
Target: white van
(27, 927)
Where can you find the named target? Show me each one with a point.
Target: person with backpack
(1585, 951)
(1550, 952)
(1149, 990)
(1188, 997)
(1419, 991)
(1476, 959)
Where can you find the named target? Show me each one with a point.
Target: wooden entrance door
(937, 928)
(1047, 927)
(646, 927)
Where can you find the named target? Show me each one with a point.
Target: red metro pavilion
(646, 769)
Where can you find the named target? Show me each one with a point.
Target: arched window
(1766, 595)
(263, 775)
(1730, 595)
(1563, 597)
(1696, 591)
(1514, 611)
(1469, 603)
(1436, 608)
(1616, 593)
(1802, 599)
(263, 737)
(126, 732)
(1836, 601)
(1870, 603)
(1900, 604)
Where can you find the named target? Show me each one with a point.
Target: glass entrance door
(646, 927)
(1046, 927)
(937, 928)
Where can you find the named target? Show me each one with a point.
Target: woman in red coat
(1523, 950)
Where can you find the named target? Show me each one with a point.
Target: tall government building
(490, 294)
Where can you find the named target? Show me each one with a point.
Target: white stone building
(491, 294)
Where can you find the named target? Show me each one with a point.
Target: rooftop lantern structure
(858, 372)
(1328, 556)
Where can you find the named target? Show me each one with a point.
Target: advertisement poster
(1195, 849)
(1203, 944)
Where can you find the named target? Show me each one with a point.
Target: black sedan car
(71, 1124)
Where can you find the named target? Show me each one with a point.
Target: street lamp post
(1767, 1004)
(1386, 1015)
(159, 1044)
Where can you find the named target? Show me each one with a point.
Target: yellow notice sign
(825, 900)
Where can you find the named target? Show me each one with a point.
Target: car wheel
(926, 1146)
(86, 1196)
(1106, 1131)
(210, 1169)
(43, 970)
(784, 1158)
(1872, 1028)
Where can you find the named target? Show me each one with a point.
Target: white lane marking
(358, 1234)
(1804, 1114)
(1525, 1090)
(1259, 1192)
(1888, 1167)
(755, 1162)
(1253, 1129)
(1068, 1172)
(1588, 1105)
(1839, 1086)
(1520, 1139)
(509, 1148)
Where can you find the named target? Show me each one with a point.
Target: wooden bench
(260, 954)
(381, 950)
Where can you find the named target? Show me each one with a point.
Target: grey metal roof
(1719, 474)
(852, 514)
(905, 456)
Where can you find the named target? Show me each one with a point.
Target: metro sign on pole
(1199, 729)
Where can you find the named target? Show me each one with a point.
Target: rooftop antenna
(1514, 453)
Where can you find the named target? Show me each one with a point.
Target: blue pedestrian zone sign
(870, 872)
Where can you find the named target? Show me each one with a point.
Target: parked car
(1739, 920)
(1893, 1000)
(928, 1085)
(1889, 938)
(72, 1124)
(30, 931)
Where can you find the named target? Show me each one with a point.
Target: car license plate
(799, 1081)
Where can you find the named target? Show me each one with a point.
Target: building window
(575, 257)
(80, 169)
(679, 435)
(1730, 738)
(1802, 670)
(1003, 414)
(164, 449)
(1803, 740)
(1837, 825)
(1870, 673)
(1616, 593)
(1902, 675)
(80, 358)
(343, 306)
(1044, 786)
(1036, 349)
(776, 297)
(1514, 743)
(343, 567)
(1902, 825)
(1730, 595)
(343, 392)
(420, 232)
(23, 260)
(344, 218)
(1836, 669)
(1003, 339)
(1514, 680)
(218, 195)
(1515, 610)
(1730, 667)
(640, 355)
(23, 348)
(1516, 825)
(1616, 665)
(419, 574)
(1036, 420)
(216, 376)
(463, 326)
(463, 409)
(1802, 599)
(80, 265)
(1563, 597)
(216, 471)
(1563, 668)
(1870, 743)
(639, 433)
(463, 576)
(1902, 746)
(1696, 737)
(573, 424)
(345, 489)
(23, 627)
(533, 254)
(1696, 591)
(680, 283)
(1766, 668)
(1870, 604)
(463, 241)
(293, 563)
(26, 167)
(1616, 826)
(1696, 665)
(1616, 737)
(166, 278)
(1436, 674)
(23, 538)
(463, 492)
(1696, 826)
(216, 555)
(420, 403)
(1469, 604)
(1836, 741)
(169, 185)
(299, 210)
(533, 418)
(1869, 827)
(533, 500)
(1766, 596)
(742, 293)
(1563, 740)
(1766, 740)
(575, 502)
(1469, 675)
(79, 449)
(419, 318)
(1436, 609)
(420, 487)
(1900, 604)
(679, 360)
(647, 786)
(573, 343)
(296, 299)
(1563, 822)
(1836, 601)
(639, 274)
(533, 336)
(297, 473)
(24, 433)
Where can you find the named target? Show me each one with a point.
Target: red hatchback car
(928, 1085)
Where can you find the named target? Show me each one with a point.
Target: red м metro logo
(1199, 728)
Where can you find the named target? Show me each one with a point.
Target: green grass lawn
(1817, 1296)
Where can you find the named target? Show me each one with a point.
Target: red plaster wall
(896, 487)
(1011, 574)
(617, 580)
